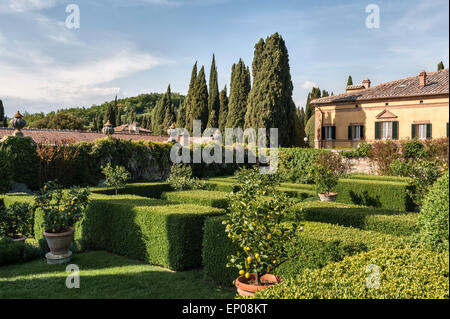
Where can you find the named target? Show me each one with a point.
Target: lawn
(105, 275)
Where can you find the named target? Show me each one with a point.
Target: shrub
(61, 209)
(295, 164)
(254, 223)
(434, 216)
(13, 252)
(151, 230)
(318, 243)
(6, 172)
(24, 161)
(413, 149)
(16, 220)
(404, 274)
(115, 176)
(152, 190)
(200, 197)
(327, 169)
(362, 150)
(384, 153)
(181, 178)
(309, 130)
(367, 218)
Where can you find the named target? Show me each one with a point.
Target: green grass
(104, 275)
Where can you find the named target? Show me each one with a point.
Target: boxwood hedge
(368, 218)
(152, 190)
(151, 230)
(201, 197)
(403, 274)
(15, 252)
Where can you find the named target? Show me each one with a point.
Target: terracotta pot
(59, 243)
(246, 289)
(21, 239)
(328, 197)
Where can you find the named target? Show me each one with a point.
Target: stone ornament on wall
(18, 123)
(108, 129)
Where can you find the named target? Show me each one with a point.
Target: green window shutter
(333, 132)
(323, 132)
(362, 131)
(377, 130)
(429, 131)
(413, 131)
(350, 128)
(395, 130)
(448, 124)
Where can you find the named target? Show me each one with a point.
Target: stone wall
(362, 165)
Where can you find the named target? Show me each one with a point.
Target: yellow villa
(413, 107)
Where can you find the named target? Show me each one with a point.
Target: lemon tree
(255, 223)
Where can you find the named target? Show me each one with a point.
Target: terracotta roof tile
(437, 84)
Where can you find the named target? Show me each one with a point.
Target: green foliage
(327, 169)
(151, 230)
(16, 220)
(200, 197)
(413, 149)
(362, 150)
(6, 172)
(60, 121)
(433, 217)
(188, 101)
(239, 89)
(163, 114)
(14, 252)
(309, 108)
(440, 66)
(2, 113)
(366, 218)
(213, 97)
(404, 274)
(181, 178)
(61, 209)
(254, 223)
(383, 154)
(274, 107)
(295, 163)
(22, 154)
(309, 130)
(115, 176)
(198, 107)
(349, 80)
(223, 112)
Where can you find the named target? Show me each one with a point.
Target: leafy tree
(270, 103)
(213, 97)
(300, 127)
(350, 80)
(223, 112)
(115, 176)
(239, 90)
(199, 101)
(440, 66)
(61, 121)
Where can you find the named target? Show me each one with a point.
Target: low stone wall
(362, 165)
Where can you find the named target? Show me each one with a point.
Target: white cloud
(26, 5)
(307, 85)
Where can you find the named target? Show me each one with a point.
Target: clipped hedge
(367, 218)
(376, 193)
(434, 216)
(6, 172)
(151, 230)
(151, 190)
(294, 163)
(404, 274)
(14, 252)
(320, 244)
(200, 197)
(379, 178)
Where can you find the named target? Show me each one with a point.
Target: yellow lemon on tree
(241, 272)
(274, 262)
(247, 275)
(249, 259)
(229, 235)
(256, 255)
(269, 236)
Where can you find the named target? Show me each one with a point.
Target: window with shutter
(429, 131)
(395, 130)
(350, 136)
(377, 130)
(413, 130)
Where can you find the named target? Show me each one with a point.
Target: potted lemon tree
(16, 220)
(61, 209)
(327, 170)
(254, 222)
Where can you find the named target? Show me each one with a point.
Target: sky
(129, 47)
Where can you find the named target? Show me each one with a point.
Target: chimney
(423, 78)
(366, 83)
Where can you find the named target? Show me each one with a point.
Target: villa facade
(413, 107)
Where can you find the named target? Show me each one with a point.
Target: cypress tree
(440, 66)
(213, 97)
(110, 114)
(198, 109)
(223, 112)
(299, 127)
(99, 122)
(188, 99)
(163, 114)
(270, 103)
(309, 109)
(169, 115)
(239, 89)
(2, 113)
(350, 80)
(118, 116)
(181, 116)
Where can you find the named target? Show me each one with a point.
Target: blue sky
(137, 46)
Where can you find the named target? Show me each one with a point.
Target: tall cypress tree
(163, 114)
(239, 89)
(309, 108)
(223, 112)
(169, 115)
(198, 109)
(181, 116)
(188, 99)
(2, 113)
(349, 80)
(270, 103)
(213, 97)
(440, 66)
(100, 122)
(110, 115)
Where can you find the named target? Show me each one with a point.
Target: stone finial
(18, 123)
(108, 129)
